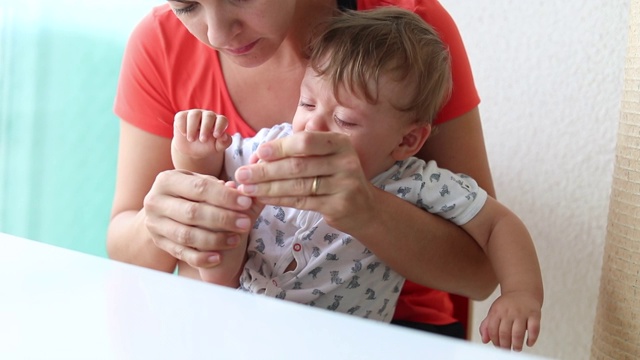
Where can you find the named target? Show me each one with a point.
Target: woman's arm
(128, 239)
(427, 249)
(458, 145)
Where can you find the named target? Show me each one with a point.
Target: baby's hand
(510, 317)
(198, 133)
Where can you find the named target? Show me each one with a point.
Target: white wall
(550, 76)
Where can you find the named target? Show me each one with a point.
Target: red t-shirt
(166, 69)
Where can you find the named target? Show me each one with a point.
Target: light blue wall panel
(59, 64)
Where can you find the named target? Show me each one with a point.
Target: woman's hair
(354, 48)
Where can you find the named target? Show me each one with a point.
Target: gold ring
(314, 186)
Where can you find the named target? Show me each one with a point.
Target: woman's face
(248, 32)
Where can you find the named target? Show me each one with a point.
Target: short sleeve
(464, 96)
(455, 197)
(142, 87)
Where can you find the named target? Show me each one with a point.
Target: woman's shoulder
(166, 69)
(424, 8)
(430, 10)
(160, 16)
(160, 23)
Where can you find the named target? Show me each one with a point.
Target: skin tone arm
(198, 145)
(458, 145)
(128, 239)
(160, 214)
(448, 259)
(508, 244)
(153, 224)
(523, 257)
(163, 217)
(199, 141)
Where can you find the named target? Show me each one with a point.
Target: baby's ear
(412, 141)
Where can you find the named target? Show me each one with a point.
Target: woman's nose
(222, 24)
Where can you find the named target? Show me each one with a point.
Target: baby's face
(375, 130)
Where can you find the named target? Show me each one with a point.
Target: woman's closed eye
(188, 8)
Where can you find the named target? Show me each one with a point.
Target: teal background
(59, 65)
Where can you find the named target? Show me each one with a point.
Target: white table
(61, 304)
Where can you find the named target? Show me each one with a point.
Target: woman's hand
(422, 247)
(289, 167)
(193, 217)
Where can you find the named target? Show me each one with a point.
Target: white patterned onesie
(334, 270)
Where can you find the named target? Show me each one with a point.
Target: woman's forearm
(427, 249)
(129, 241)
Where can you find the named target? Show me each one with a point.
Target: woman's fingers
(192, 216)
(290, 167)
(295, 163)
(190, 236)
(195, 187)
(303, 186)
(195, 246)
(304, 143)
(193, 257)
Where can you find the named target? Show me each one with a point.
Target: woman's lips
(242, 50)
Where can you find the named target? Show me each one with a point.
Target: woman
(244, 59)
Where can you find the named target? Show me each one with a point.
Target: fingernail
(244, 201)
(249, 189)
(243, 223)
(264, 151)
(233, 240)
(213, 259)
(243, 174)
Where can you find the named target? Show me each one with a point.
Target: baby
(362, 65)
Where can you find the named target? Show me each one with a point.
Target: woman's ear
(412, 142)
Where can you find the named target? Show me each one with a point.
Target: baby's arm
(199, 141)
(509, 246)
(228, 272)
(198, 145)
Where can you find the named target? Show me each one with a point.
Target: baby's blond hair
(355, 47)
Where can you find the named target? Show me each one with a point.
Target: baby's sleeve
(455, 197)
